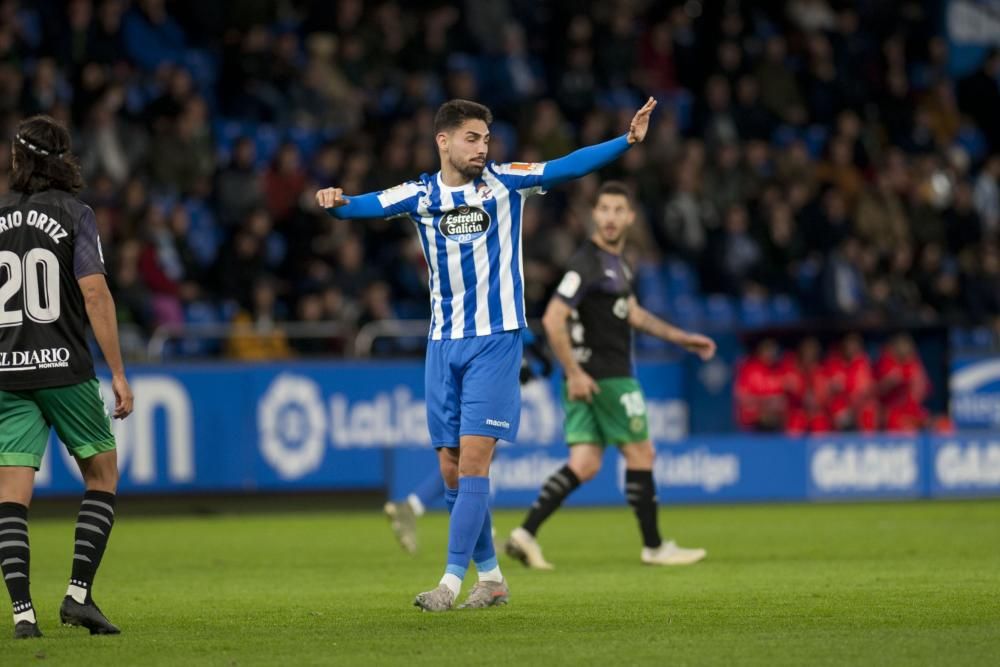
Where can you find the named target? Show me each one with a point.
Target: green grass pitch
(874, 584)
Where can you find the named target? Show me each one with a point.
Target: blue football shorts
(473, 387)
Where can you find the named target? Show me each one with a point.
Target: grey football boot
(487, 594)
(439, 599)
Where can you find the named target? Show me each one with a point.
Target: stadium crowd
(816, 152)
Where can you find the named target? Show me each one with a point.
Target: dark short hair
(43, 158)
(453, 113)
(615, 188)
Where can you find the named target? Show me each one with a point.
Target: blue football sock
(484, 555)
(466, 523)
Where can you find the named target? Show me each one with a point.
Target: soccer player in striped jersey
(468, 218)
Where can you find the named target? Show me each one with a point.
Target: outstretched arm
(361, 206)
(585, 160)
(645, 321)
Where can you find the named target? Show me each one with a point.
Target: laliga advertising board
(235, 427)
(351, 426)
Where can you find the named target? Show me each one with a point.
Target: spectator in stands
(238, 188)
(938, 282)
(853, 392)
(688, 216)
(309, 310)
(132, 297)
(902, 385)
(162, 268)
(881, 214)
(151, 36)
(781, 251)
(734, 256)
(241, 261)
(844, 293)
(748, 103)
(760, 390)
(779, 91)
(726, 183)
(807, 386)
(256, 334)
(284, 181)
(185, 155)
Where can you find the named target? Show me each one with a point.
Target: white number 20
(39, 286)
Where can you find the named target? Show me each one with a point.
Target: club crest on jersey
(484, 191)
(464, 224)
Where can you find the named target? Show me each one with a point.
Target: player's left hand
(123, 397)
(640, 122)
(701, 345)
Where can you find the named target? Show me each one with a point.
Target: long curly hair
(43, 158)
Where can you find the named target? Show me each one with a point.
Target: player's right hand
(331, 198)
(123, 397)
(581, 387)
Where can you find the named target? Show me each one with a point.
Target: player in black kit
(51, 285)
(589, 325)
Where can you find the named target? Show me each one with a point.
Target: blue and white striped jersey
(471, 237)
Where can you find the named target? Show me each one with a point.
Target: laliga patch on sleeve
(398, 193)
(526, 168)
(569, 285)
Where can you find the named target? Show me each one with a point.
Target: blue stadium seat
(681, 102)
(719, 311)
(307, 139)
(679, 278)
(199, 312)
(980, 337)
(267, 140)
(650, 344)
(815, 137)
(203, 234)
(651, 289)
(686, 311)
(754, 311)
(784, 309)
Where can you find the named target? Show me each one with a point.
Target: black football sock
(641, 494)
(15, 558)
(562, 483)
(93, 528)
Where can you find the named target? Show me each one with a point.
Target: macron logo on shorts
(496, 423)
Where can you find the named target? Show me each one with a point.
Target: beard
(611, 239)
(468, 170)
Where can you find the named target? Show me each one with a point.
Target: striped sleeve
(402, 199)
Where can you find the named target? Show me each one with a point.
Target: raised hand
(640, 122)
(331, 198)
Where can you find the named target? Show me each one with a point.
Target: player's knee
(640, 456)
(585, 469)
(101, 473)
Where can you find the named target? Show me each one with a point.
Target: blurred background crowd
(809, 160)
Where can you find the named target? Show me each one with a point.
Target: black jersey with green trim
(48, 241)
(597, 285)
